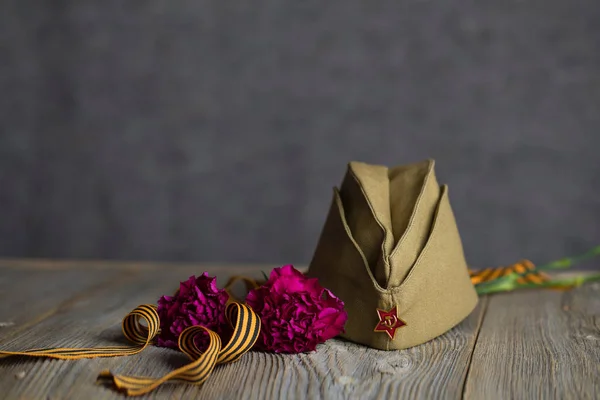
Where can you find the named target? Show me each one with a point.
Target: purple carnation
(198, 302)
(296, 312)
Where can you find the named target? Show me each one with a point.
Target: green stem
(503, 284)
(564, 282)
(568, 262)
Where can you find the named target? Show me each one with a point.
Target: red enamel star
(389, 322)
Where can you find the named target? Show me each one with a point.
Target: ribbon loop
(187, 341)
(137, 333)
(246, 327)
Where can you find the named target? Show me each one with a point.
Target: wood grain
(519, 345)
(342, 370)
(539, 344)
(28, 298)
(338, 369)
(73, 307)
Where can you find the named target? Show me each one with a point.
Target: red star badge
(389, 322)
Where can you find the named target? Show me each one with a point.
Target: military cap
(391, 250)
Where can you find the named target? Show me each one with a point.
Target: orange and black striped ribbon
(246, 327)
(249, 283)
(524, 267)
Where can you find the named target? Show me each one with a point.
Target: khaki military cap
(390, 249)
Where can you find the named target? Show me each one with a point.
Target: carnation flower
(296, 312)
(197, 302)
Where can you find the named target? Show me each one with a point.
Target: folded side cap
(435, 295)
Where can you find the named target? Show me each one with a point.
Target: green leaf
(568, 262)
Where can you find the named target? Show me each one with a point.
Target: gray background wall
(213, 130)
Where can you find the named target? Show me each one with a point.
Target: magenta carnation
(198, 302)
(296, 312)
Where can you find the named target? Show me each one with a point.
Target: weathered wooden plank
(337, 370)
(32, 291)
(342, 370)
(81, 321)
(29, 297)
(538, 344)
(84, 319)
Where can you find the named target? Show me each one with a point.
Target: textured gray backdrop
(213, 130)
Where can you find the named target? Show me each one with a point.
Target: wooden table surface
(522, 345)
